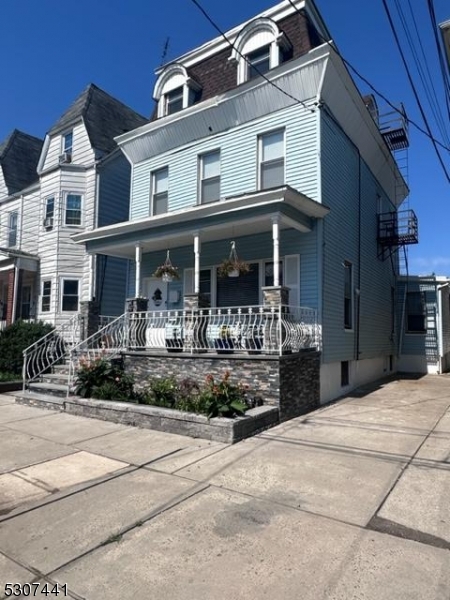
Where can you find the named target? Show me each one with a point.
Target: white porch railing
(50, 349)
(247, 329)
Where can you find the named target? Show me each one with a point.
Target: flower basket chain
(233, 266)
(167, 272)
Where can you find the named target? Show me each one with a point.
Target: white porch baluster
(276, 251)
(196, 264)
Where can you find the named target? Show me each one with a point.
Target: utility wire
(434, 27)
(413, 87)
(378, 93)
(227, 39)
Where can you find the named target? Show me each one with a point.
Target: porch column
(92, 291)
(276, 251)
(138, 260)
(196, 263)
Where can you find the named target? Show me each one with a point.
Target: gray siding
(350, 231)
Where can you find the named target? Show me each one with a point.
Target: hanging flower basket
(233, 266)
(167, 272)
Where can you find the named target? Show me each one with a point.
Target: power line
(434, 26)
(413, 87)
(227, 39)
(378, 93)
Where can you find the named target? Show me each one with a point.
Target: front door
(156, 292)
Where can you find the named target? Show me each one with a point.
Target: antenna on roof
(165, 50)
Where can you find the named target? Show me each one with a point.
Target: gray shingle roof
(104, 117)
(19, 156)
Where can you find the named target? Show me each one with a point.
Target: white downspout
(440, 326)
(16, 287)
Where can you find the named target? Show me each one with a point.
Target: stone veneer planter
(10, 386)
(162, 419)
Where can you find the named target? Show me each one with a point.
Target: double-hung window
(49, 212)
(160, 191)
(348, 296)
(258, 62)
(210, 177)
(12, 228)
(174, 100)
(46, 296)
(271, 160)
(68, 142)
(73, 209)
(415, 312)
(69, 299)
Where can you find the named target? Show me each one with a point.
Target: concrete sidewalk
(350, 502)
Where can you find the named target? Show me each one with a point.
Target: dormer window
(259, 47)
(258, 62)
(174, 101)
(68, 142)
(175, 90)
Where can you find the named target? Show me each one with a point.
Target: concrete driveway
(351, 502)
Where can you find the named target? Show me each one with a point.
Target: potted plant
(167, 272)
(224, 342)
(233, 266)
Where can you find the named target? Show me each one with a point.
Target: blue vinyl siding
(111, 284)
(346, 183)
(250, 248)
(239, 161)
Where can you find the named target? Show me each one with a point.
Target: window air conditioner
(65, 157)
(48, 222)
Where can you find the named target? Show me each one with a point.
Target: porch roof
(10, 258)
(234, 216)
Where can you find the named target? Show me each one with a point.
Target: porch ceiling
(231, 217)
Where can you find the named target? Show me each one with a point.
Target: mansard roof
(104, 116)
(19, 156)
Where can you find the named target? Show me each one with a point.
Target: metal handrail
(50, 349)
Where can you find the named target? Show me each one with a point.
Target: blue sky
(50, 50)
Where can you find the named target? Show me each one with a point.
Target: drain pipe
(16, 287)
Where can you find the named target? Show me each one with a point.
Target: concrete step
(59, 378)
(61, 369)
(50, 389)
(30, 398)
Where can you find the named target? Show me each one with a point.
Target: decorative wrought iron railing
(249, 329)
(51, 349)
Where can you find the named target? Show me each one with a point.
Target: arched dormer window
(263, 45)
(174, 90)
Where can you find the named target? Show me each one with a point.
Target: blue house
(262, 148)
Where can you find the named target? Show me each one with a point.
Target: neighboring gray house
(74, 181)
(294, 169)
(424, 318)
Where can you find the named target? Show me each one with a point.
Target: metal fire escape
(397, 229)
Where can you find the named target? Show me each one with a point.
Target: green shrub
(110, 391)
(15, 339)
(221, 398)
(4, 376)
(95, 374)
(161, 392)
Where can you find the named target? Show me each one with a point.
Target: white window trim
(153, 187)
(9, 229)
(200, 178)
(63, 142)
(163, 86)
(259, 153)
(72, 226)
(46, 199)
(64, 278)
(42, 297)
(278, 43)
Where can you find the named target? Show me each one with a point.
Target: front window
(68, 142)
(70, 295)
(348, 298)
(258, 62)
(415, 312)
(174, 101)
(160, 191)
(271, 156)
(46, 296)
(73, 209)
(49, 212)
(210, 177)
(12, 228)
